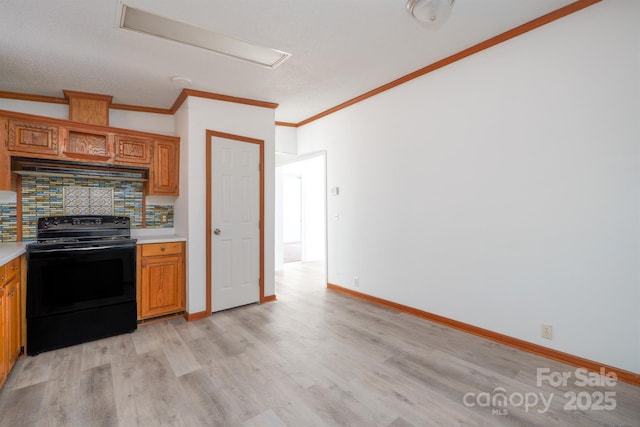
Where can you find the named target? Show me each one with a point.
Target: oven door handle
(84, 248)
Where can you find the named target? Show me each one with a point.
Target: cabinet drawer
(3, 280)
(155, 249)
(12, 269)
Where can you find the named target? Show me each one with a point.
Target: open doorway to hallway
(291, 217)
(300, 234)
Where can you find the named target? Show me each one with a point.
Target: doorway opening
(300, 234)
(292, 217)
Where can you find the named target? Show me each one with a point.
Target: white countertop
(11, 250)
(156, 235)
(160, 238)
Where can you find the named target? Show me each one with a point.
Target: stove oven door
(79, 294)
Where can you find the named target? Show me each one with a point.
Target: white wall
(136, 120)
(286, 140)
(144, 122)
(191, 123)
(502, 190)
(278, 251)
(56, 111)
(292, 207)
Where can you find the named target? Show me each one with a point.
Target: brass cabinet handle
(12, 292)
(14, 267)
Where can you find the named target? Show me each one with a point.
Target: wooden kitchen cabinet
(32, 137)
(90, 146)
(37, 137)
(5, 172)
(133, 150)
(163, 176)
(161, 279)
(4, 371)
(13, 319)
(10, 317)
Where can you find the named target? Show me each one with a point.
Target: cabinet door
(161, 286)
(11, 269)
(13, 320)
(133, 150)
(90, 146)
(4, 366)
(4, 278)
(5, 172)
(32, 137)
(164, 174)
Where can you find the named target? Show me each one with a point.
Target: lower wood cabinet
(3, 362)
(161, 279)
(10, 317)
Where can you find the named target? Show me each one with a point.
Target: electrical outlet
(356, 282)
(546, 331)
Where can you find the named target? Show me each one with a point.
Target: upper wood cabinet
(133, 150)
(5, 171)
(24, 135)
(30, 137)
(163, 177)
(88, 108)
(85, 145)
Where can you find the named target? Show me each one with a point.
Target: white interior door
(235, 223)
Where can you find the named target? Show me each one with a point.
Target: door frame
(209, 197)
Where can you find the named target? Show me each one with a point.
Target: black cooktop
(77, 231)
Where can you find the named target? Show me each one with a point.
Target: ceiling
(340, 48)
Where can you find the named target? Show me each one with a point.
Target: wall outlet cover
(546, 331)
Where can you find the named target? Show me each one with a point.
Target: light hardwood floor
(313, 358)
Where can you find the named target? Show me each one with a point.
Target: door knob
(217, 231)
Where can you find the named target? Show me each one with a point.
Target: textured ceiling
(340, 48)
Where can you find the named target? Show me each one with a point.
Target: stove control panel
(66, 222)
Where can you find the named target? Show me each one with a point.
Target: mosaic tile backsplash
(159, 216)
(46, 196)
(8, 222)
(87, 201)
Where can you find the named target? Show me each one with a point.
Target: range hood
(42, 167)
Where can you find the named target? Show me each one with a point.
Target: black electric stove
(81, 281)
